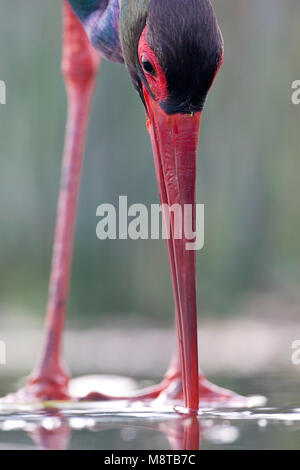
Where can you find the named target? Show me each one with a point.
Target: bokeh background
(248, 178)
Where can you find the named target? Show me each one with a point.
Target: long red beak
(174, 141)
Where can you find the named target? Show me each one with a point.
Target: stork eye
(147, 66)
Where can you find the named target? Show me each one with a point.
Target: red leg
(80, 63)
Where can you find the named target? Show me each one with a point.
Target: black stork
(172, 50)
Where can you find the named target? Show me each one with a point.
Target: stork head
(172, 49)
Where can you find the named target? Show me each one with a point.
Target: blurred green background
(248, 172)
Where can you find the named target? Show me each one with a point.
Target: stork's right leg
(80, 64)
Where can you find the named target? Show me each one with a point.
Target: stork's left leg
(80, 63)
(79, 66)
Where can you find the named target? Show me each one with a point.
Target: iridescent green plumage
(133, 16)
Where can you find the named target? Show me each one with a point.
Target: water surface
(273, 426)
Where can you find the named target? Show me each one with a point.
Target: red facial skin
(158, 82)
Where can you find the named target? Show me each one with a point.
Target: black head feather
(185, 36)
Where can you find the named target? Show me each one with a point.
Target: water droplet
(128, 434)
(262, 423)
